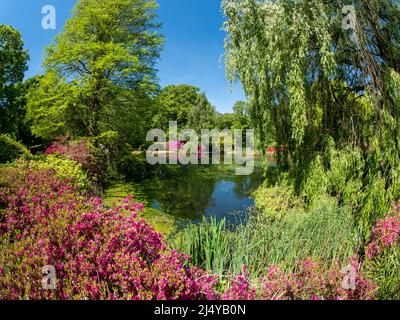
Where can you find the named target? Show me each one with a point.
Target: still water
(193, 192)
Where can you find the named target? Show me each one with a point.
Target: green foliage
(208, 244)
(13, 64)
(174, 103)
(325, 233)
(225, 120)
(385, 271)
(22, 124)
(64, 169)
(241, 115)
(108, 149)
(327, 96)
(98, 70)
(239, 119)
(202, 115)
(276, 201)
(315, 182)
(11, 150)
(48, 108)
(134, 168)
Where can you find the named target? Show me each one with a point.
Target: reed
(325, 234)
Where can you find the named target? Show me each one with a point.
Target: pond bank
(191, 193)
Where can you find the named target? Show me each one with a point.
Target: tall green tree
(225, 120)
(203, 115)
(326, 94)
(97, 68)
(241, 115)
(13, 64)
(23, 125)
(174, 103)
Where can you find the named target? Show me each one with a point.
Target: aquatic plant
(325, 234)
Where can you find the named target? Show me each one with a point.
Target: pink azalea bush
(110, 253)
(78, 151)
(178, 145)
(311, 282)
(385, 234)
(98, 252)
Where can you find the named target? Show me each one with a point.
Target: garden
(85, 216)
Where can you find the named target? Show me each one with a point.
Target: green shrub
(315, 183)
(276, 201)
(64, 169)
(339, 174)
(11, 150)
(107, 150)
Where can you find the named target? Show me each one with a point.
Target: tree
(241, 115)
(174, 103)
(23, 126)
(13, 64)
(97, 68)
(225, 120)
(203, 115)
(328, 96)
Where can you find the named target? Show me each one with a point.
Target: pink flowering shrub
(385, 234)
(98, 252)
(311, 282)
(178, 145)
(240, 289)
(110, 253)
(78, 151)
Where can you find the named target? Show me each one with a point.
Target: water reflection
(196, 191)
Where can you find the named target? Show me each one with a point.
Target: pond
(193, 192)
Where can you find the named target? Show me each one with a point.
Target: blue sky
(193, 52)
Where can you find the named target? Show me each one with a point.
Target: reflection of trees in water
(245, 185)
(189, 193)
(186, 196)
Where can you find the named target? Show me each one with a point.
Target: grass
(325, 234)
(385, 270)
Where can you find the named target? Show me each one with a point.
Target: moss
(162, 222)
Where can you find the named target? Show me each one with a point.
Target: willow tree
(328, 95)
(99, 70)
